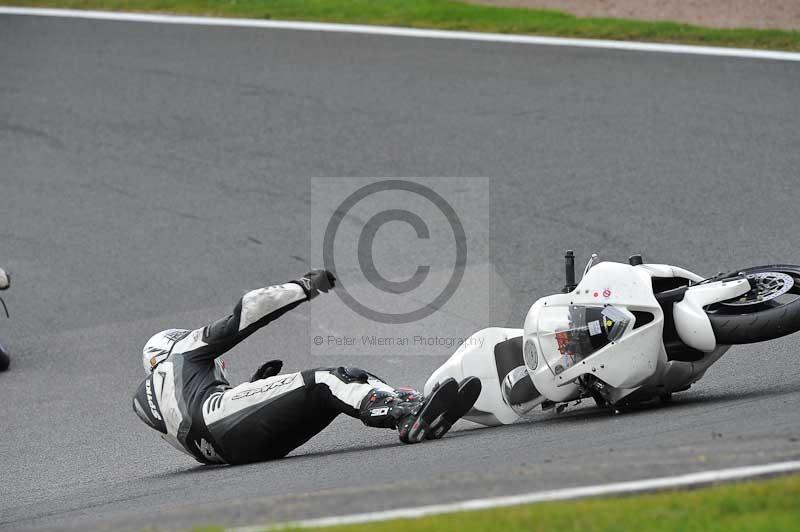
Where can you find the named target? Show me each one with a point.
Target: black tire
(760, 322)
(4, 359)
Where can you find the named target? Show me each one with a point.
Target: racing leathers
(188, 399)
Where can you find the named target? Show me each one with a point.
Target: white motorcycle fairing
(480, 356)
(634, 365)
(623, 364)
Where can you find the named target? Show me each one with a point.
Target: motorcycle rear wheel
(771, 308)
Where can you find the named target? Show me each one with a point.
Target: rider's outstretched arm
(254, 310)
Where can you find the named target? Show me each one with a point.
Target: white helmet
(159, 346)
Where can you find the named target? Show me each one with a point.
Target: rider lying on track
(187, 398)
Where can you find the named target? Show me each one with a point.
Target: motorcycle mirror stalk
(569, 267)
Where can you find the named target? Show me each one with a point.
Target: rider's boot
(412, 415)
(468, 391)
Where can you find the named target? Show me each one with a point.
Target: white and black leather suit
(190, 402)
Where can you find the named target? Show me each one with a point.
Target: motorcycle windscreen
(569, 334)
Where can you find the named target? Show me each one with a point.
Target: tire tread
(768, 324)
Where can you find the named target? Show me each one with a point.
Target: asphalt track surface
(151, 174)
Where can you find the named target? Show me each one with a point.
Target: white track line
(619, 488)
(406, 32)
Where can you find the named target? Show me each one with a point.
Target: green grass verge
(772, 505)
(449, 15)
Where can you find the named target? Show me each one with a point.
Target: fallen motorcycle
(627, 334)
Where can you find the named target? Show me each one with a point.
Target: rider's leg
(268, 418)
(362, 395)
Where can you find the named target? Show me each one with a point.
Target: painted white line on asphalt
(407, 32)
(619, 488)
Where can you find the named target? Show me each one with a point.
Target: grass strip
(448, 15)
(772, 504)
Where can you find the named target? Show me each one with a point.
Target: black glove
(267, 369)
(316, 281)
